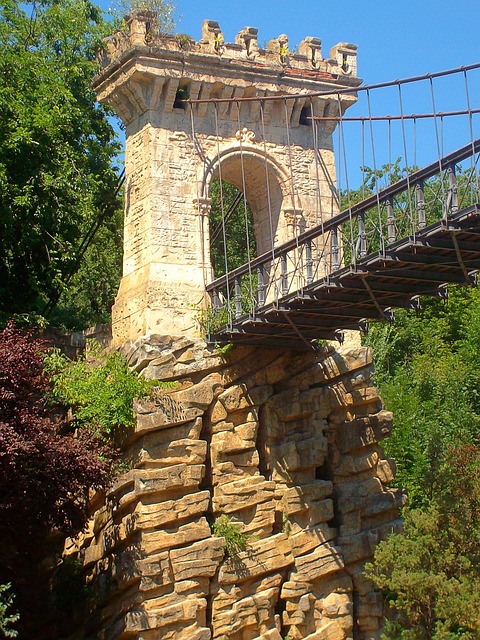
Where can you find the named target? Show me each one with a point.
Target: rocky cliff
(286, 445)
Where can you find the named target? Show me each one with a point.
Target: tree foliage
(56, 149)
(232, 235)
(162, 12)
(7, 618)
(431, 573)
(428, 371)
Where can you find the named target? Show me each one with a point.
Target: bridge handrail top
(383, 194)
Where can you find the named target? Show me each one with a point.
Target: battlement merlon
(211, 67)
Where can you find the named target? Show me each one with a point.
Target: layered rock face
(286, 445)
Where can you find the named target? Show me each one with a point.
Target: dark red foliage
(45, 477)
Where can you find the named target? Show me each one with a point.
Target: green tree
(430, 574)
(46, 474)
(7, 618)
(428, 371)
(57, 147)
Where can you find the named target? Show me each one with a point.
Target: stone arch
(266, 186)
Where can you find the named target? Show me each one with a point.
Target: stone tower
(175, 148)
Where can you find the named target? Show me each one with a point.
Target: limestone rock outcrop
(286, 445)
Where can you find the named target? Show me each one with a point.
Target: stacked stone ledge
(286, 445)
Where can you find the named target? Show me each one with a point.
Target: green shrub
(7, 619)
(100, 392)
(235, 539)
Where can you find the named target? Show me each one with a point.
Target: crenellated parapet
(140, 33)
(212, 68)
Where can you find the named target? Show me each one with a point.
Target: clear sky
(395, 40)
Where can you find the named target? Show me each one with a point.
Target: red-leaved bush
(46, 474)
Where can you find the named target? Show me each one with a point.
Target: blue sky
(395, 40)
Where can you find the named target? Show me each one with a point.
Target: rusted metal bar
(260, 285)
(391, 233)
(216, 300)
(362, 238)
(335, 249)
(309, 261)
(452, 207)
(238, 297)
(284, 274)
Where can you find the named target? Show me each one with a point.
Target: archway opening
(232, 231)
(251, 199)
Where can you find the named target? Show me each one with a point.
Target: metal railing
(372, 225)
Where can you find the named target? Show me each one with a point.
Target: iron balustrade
(368, 227)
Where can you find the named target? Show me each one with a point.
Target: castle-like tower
(279, 446)
(177, 141)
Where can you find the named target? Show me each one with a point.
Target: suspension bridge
(405, 232)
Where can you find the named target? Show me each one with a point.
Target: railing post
(216, 300)
(238, 297)
(335, 249)
(284, 280)
(361, 235)
(420, 204)
(309, 261)
(452, 191)
(390, 222)
(260, 286)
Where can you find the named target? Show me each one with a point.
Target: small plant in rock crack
(235, 539)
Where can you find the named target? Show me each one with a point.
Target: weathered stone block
(350, 465)
(304, 540)
(198, 559)
(317, 512)
(168, 454)
(234, 496)
(142, 482)
(324, 560)
(200, 395)
(300, 498)
(151, 542)
(262, 556)
(150, 516)
(235, 398)
(364, 431)
(163, 412)
(386, 469)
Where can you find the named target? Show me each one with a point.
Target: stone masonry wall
(284, 443)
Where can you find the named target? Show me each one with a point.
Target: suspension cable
(343, 90)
